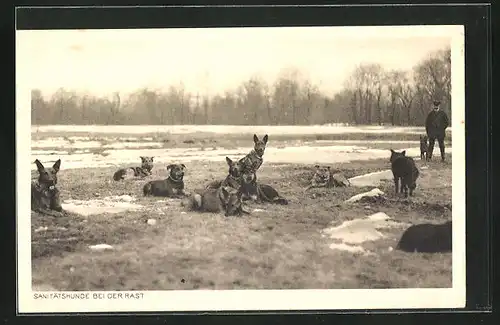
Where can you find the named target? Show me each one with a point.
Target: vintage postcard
(232, 169)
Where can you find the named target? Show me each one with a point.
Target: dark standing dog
(223, 199)
(424, 147)
(233, 178)
(129, 172)
(254, 160)
(44, 194)
(404, 169)
(427, 238)
(172, 186)
(324, 177)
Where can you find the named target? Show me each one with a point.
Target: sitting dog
(223, 199)
(427, 238)
(253, 160)
(233, 178)
(404, 169)
(172, 186)
(424, 147)
(324, 177)
(44, 193)
(130, 172)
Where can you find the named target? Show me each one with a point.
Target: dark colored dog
(172, 186)
(258, 192)
(223, 199)
(233, 178)
(404, 169)
(44, 194)
(130, 172)
(427, 238)
(253, 160)
(424, 147)
(324, 177)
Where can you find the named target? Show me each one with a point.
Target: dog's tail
(119, 175)
(147, 189)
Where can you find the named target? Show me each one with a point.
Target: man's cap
(436, 102)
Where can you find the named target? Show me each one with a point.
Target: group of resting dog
(226, 196)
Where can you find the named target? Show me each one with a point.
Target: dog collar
(174, 180)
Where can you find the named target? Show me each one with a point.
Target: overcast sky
(213, 60)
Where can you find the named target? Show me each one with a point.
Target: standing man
(435, 126)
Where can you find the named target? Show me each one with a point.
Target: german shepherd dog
(324, 177)
(404, 169)
(233, 178)
(253, 160)
(130, 172)
(223, 199)
(44, 193)
(424, 147)
(172, 186)
(259, 192)
(427, 238)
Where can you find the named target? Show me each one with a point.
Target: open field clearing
(315, 242)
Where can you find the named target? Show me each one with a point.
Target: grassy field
(278, 248)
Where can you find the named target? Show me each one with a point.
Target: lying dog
(427, 238)
(258, 192)
(404, 169)
(172, 186)
(143, 171)
(224, 199)
(44, 193)
(324, 177)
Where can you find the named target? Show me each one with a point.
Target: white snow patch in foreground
(110, 204)
(371, 179)
(352, 233)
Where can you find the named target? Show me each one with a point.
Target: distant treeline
(371, 95)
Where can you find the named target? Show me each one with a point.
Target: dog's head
(260, 145)
(48, 177)
(147, 162)
(395, 155)
(322, 173)
(423, 139)
(231, 199)
(176, 171)
(235, 168)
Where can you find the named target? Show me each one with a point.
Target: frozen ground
(307, 154)
(224, 129)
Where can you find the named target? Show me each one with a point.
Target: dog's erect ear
(265, 138)
(39, 165)
(152, 158)
(392, 151)
(183, 166)
(57, 165)
(404, 152)
(328, 167)
(255, 138)
(142, 158)
(316, 166)
(229, 161)
(170, 166)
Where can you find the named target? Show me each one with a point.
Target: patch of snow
(373, 193)
(358, 231)
(101, 247)
(371, 179)
(100, 206)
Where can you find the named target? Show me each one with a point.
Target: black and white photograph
(260, 168)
